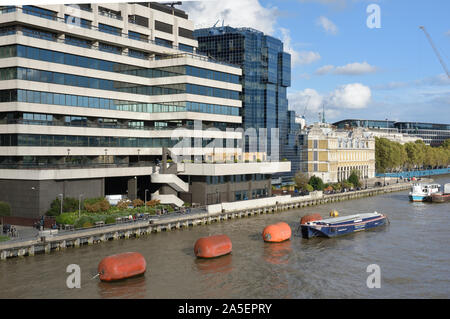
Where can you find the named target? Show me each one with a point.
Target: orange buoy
(121, 266)
(212, 246)
(310, 218)
(277, 232)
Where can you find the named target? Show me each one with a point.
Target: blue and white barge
(337, 226)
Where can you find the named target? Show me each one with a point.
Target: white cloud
(308, 57)
(287, 46)
(431, 81)
(236, 13)
(351, 96)
(355, 68)
(327, 25)
(307, 100)
(324, 69)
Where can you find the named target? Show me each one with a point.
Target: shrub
(70, 204)
(316, 183)
(137, 203)
(94, 205)
(123, 203)
(110, 220)
(354, 179)
(5, 209)
(83, 221)
(309, 188)
(153, 203)
(66, 218)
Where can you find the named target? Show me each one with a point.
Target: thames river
(412, 252)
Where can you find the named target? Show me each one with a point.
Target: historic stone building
(333, 154)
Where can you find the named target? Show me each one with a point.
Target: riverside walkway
(52, 240)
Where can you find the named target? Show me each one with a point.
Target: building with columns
(332, 154)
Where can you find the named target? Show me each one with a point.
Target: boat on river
(332, 227)
(442, 196)
(423, 192)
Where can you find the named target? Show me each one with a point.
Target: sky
(349, 58)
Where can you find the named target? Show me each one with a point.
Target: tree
(70, 204)
(316, 183)
(5, 209)
(354, 179)
(301, 180)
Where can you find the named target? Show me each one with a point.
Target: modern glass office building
(432, 133)
(95, 97)
(266, 75)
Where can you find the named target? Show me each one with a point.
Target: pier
(51, 240)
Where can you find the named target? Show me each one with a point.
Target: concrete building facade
(102, 99)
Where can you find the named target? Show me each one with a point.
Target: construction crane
(435, 50)
(306, 106)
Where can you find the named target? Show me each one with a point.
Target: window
(164, 27)
(137, 36)
(185, 47)
(109, 29)
(77, 41)
(163, 42)
(185, 33)
(83, 23)
(110, 48)
(39, 12)
(135, 19)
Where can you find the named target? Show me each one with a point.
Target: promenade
(31, 241)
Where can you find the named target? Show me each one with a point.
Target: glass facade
(103, 65)
(431, 133)
(28, 74)
(265, 77)
(19, 95)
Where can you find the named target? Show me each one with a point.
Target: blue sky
(354, 71)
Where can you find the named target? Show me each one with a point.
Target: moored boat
(337, 226)
(423, 192)
(443, 196)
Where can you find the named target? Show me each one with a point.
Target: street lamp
(62, 196)
(145, 195)
(79, 205)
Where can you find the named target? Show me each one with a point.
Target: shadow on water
(127, 288)
(222, 264)
(277, 253)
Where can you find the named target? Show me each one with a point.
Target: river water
(413, 254)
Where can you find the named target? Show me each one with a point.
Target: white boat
(423, 192)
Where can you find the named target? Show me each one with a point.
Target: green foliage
(4, 238)
(347, 185)
(337, 187)
(5, 209)
(301, 180)
(110, 220)
(354, 179)
(309, 188)
(95, 205)
(84, 221)
(66, 218)
(69, 205)
(391, 156)
(316, 183)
